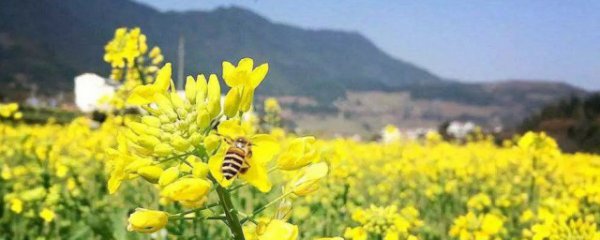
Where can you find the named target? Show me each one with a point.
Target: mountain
(45, 43)
(74, 32)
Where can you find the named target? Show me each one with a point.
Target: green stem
(142, 75)
(247, 217)
(195, 210)
(532, 190)
(206, 218)
(235, 188)
(172, 158)
(230, 213)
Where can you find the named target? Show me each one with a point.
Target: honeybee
(236, 157)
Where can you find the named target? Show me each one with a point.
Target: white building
(89, 89)
(460, 130)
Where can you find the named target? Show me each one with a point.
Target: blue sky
(466, 40)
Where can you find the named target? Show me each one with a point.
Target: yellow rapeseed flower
(145, 94)
(7, 110)
(188, 191)
(168, 176)
(147, 221)
(272, 105)
(244, 79)
(47, 214)
(264, 147)
(16, 205)
(357, 233)
(307, 180)
(299, 153)
(150, 173)
(268, 229)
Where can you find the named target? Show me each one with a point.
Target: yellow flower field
(196, 166)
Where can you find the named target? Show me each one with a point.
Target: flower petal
(264, 147)
(257, 176)
(231, 129)
(246, 64)
(114, 182)
(247, 98)
(141, 95)
(278, 229)
(163, 78)
(229, 74)
(258, 75)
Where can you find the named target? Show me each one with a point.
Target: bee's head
(241, 142)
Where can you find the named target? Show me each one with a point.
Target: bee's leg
(245, 167)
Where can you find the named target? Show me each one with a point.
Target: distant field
(363, 112)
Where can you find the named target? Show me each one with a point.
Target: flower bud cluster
(385, 222)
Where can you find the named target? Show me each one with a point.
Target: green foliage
(576, 119)
(41, 115)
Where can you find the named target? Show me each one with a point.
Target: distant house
(89, 89)
(460, 130)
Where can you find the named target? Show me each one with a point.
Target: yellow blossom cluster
(272, 117)
(201, 165)
(10, 110)
(128, 50)
(53, 173)
(471, 226)
(475, 190)
(131, 62)
(428, 189)
(562, 228)
(196, 150)
(384, 222)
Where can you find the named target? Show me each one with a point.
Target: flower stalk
(230, 213)
(259, 210)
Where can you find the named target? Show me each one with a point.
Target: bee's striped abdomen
(234, 160)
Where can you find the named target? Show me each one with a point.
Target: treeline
(575, 122)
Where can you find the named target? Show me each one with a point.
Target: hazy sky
(466, 40)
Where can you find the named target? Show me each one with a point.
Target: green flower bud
(211, 142)
(163, 149)
(148, 141)
(151, 121)
(150, 173)
(203, 119)
(199, 169)
(196, 138)
(180, 143)
(177, 101)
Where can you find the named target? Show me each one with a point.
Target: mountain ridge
(322, 64)
(76, 30)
